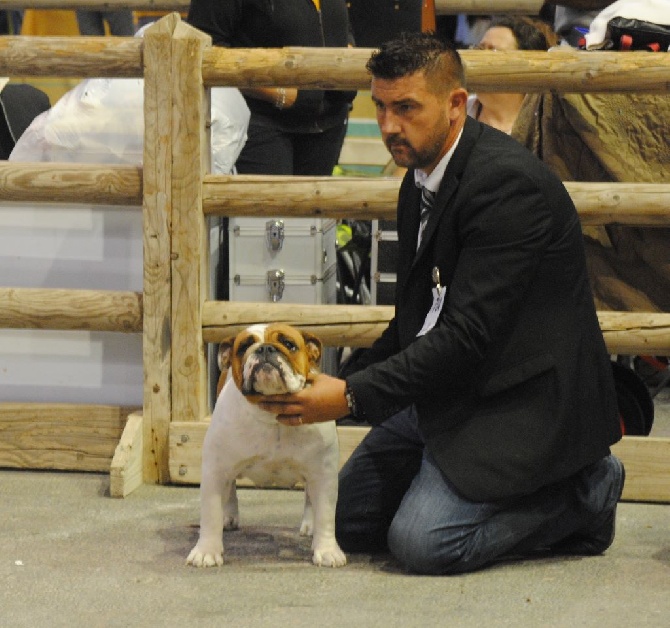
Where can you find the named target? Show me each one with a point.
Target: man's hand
(323, 401)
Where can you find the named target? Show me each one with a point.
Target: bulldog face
(270, 359)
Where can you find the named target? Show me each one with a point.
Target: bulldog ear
(313, 347)
(224, 354)
(223, 360)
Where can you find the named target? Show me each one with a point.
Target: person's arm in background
(221, 21)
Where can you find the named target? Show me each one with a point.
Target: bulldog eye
(244, 345)
(289, 344)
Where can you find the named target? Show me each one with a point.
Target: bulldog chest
(278, 456)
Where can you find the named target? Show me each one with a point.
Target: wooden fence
(163, 442)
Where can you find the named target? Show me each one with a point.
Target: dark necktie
(426, 204)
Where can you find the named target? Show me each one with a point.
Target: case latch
(275, 284)
(274, 234)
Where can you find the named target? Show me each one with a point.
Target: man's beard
(410, 157)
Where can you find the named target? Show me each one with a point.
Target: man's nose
(388, 123)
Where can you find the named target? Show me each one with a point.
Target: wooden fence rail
(626, 333)
(71, 183)
(75, 57)
(642, 204)
(87, 310)
(520, 71)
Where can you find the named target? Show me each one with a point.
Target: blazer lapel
(447, 188)
(449, 185)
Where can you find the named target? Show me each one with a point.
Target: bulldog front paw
(330, 556)
(203, 556)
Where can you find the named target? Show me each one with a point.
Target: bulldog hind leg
(307, 524)
(231, 512)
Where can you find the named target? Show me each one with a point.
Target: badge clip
(436, 279)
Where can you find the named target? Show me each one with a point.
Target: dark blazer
(513, 386)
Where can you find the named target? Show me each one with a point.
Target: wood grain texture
(126, 472)
(190, 281)
(368, 198)
(71, 57)
(522, 71)
(157, 176)
(74, 183)
(627, 333)
(74, 437)
(88, 310)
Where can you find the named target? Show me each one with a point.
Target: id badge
(438, 301)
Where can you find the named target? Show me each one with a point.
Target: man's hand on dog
(322, 401)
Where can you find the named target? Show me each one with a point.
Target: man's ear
(458, 100)
(313, 346)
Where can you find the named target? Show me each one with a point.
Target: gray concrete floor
(72, 556)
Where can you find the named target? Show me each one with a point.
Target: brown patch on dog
(302, 349)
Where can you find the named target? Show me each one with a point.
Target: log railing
(641, 204)
(177, 194)
(81, 437)
(486, 70)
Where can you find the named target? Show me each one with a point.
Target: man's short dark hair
(418, 52)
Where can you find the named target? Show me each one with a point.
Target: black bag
(20, 104)
(631, 34)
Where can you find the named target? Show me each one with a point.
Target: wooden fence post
(190, 268)
(157, 207)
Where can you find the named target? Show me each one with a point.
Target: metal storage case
(282, 260)
(287, 260)
(383, 259)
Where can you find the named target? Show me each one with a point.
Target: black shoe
(600, 536)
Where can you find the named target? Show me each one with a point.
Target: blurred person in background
(500, 110)
(291, 131)
(120, 23)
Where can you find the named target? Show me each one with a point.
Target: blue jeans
(393, 496)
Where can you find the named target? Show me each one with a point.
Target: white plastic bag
(101, 121)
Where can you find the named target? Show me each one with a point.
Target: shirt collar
(432, 181)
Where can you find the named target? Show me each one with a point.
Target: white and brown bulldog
(243, 440)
